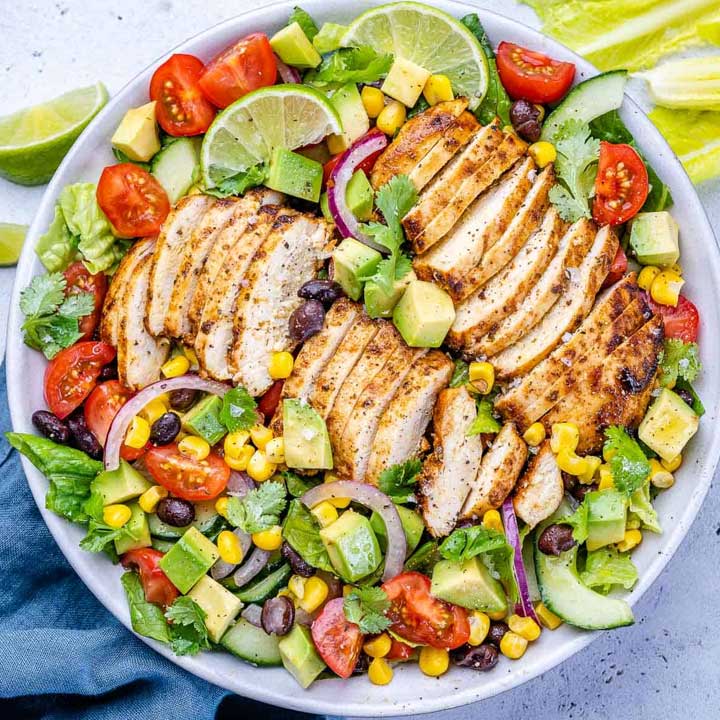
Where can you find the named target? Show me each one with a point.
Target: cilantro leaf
(188, 632)
(100, 535)
(296, 485)
(147, 619)
(485, 421)
(351, 65)
(239, 410)
(366, 607)
(579, 522)
(77, 305)
(305, 21)
(239, 184)
(395, 199)
(466, 543)
(630, 468)
(398, 481)
(403, 265)
(461, 374)
(302, 532)
(679, 360)
(259, 510)
(43, 295)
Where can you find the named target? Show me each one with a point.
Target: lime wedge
(709, 29)
(12, 238)
(34, 141)
(429, 38)
(246, 132)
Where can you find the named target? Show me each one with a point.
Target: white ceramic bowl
(410, 692)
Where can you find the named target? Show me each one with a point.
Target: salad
(369, 349)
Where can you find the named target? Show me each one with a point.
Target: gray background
(666, 665)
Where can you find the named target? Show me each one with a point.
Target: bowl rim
(308, 701)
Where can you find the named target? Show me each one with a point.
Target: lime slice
(12, 238)
(246, 132)
(709, 29)
(34, 141)
(429, 38)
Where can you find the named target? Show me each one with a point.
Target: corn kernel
(259, 468)
(647, 275)
(340, 503)
(275, 451)
(270, 539)
(373, 100)
(194, 447)
(138, 433)
(593, 464)
(672, 465)
(482, 376)
(316, 592)
(438, 89)
(229, 547)
(116, 515)
(479, 627)
(497, 615)
(535, 434)
(608, 454)
(676, 268)
(153, 410)
(325, 513)
(151, 497)
(606, 478)
(296, 585)
(260, 436)
(391, 118)
(564, 435)
(665, 288)
(175, 367)
(347, 589)
(526, 627)
(632, 539)
(379, 646)
(633, 522)
(571, 463)
(547, 618)
(281, 365)
(240, 463)
(659, 476)
(189, 353)
(221, 506)
(513, 646)
(434, 661)
(492, 521)
(379, 672)
(235, 442)
(543, 153)
(541, 110)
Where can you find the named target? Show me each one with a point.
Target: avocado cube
(138, 532)
(305, 435)
(468, 584)
(607, 512)
(380, 303)
(328, 39)
(294, 47)
(219, 604)
(412, 525)
(295, 175)
(325, 208)
(668, 425)
(189, 559)
(359, 196)
(424, 314)
(353, 117)
(353, 260)
(654, 238)
(137, 135)
(299, 655)
(203, 420)
(405, 81)
(120, 485)
(352, 546)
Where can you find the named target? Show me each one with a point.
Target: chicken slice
(499, 471)
(404, 422)
(540, 490)
(451, 470)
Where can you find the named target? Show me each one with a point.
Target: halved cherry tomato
(72, 374)
(419, 617)
(100, 409)
(681, 322)
(134, 201)
(366, 165)
(158, 589)
(399, 651)
(532, 76)
(181, 108)
(617, 269)
(271, 399)
(247, 65)
(338, 640)
(79, 280)
(186, 477)
(621, 185)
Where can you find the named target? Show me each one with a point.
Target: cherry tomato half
(532, 76)
(247, 65)
(338, 640)
(400, 651)
(181, 107)
(158, 589)
(681, 322)
(271, 399)
(617, 269)
(366, 165)
(621, 186)
(186, 477)
(79, 280)
(419, 617)
(72, 374)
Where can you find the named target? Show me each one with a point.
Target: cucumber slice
(267, 587)
(177, 166)
(252, 644)
(588, 100)
(205, 520)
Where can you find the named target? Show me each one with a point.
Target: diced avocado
(468, 584)
(305, 435)
(412, 524)
(295, 175)
(607, 513)
(379, 303)
(354, 118)
(325, 208)
(177, 166)
(359, 196)
(424, 314)
(120, 485)
(352, 546)
(668, 425)
(353, 260)
(189, 559)
(138, 532)
(328, 37)
(299, 655)
(203, 419)
(219, 604)
(654, 238)
(405, 81)
(137, 135)
(294, 48)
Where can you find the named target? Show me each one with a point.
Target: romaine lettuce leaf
(641, 505)
(607, 567)
(57, 247)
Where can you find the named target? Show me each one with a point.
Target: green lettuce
(607, 567)
(58, 246)
(357, 65)
(641, 505)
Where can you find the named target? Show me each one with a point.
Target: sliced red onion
(253, 614)
(251, 567)
(376, 500)
(239, 484)
(347, 224)
(287, 74)
(525, 606)
(121, 422)
(222, 569)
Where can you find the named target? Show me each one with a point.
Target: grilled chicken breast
(540, 490)
(451, 470)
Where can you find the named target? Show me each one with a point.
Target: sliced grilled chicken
(499, 471)
(503, 294)
(286, 260)
(449, 261)
(540, 490)
(451, 470)
(403, 425)
(169, 249)
(565, 315)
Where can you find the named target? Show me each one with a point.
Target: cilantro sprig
(259, 510)
(398, 481)
(239, 410)
(680, 360)
(188, 632)
(366, 607)
(628, 464)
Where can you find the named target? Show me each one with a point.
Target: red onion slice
(525, 606)
(121, 422)
(376, 500)
(253, 614)
(287, 74)
(251, 567)
(239, 484)
(222, 569)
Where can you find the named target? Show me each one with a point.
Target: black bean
(326, 291)
(569, 481)
(580, 491)
(175, 511)
(165, 429)
(685, 395)
(182, 399)
(483, 657)
(278, 615)
(51, 427)
(298, 565)
(362, 665)
(556, 539)
(83, 439)
(109, 372)
(525, 118)
(307, 320)
(496, 632)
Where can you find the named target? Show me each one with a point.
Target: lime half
(34, 141)
(246, 132)
(429, 38)
(12, 238)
